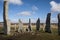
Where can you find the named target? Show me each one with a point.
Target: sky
(33, 9)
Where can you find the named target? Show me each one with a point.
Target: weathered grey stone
(5, 18)
(29, 26)
(15, 28)
(59, 24)
(9, 26)
(47, 27)
(38, 24)
(20, 29)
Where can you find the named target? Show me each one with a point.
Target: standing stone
(47, 27)
(15, 28)
(58, 24)
(5, 18)
(29, 26)
(20, 28)
(9, 25)
(38, 24)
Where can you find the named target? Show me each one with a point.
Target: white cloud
(13, 20)
(24, 20)
(34, 8)
(18, 2)
(54, 20)
(27, 20)
(55, 7)
(33, 20)
(25, 13)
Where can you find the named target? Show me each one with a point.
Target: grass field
(41, 35)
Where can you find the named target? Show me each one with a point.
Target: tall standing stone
(20, 28)
(38, 24)
(47, 27)
(58, 24)
(5, 18)
(29, 26)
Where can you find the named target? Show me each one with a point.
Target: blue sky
(33, 9)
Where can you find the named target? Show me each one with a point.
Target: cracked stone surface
(47, 27)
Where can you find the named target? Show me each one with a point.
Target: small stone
(38, 25)
(20, 28)
(29, 26)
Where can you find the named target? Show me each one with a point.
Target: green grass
(1, 28)
(41, 35)
(35, 36)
